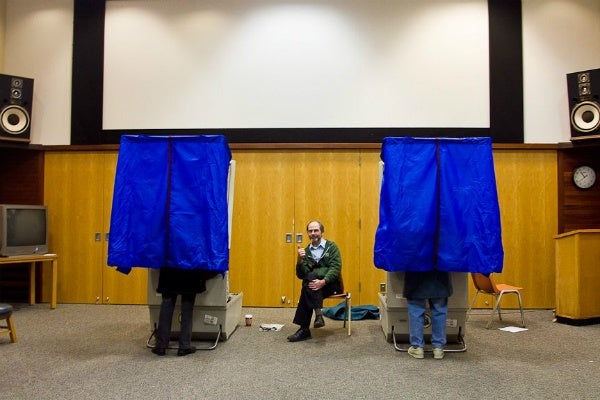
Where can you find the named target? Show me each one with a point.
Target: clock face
(584, 177)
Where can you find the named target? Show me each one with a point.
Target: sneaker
(416, 352)
(438, 354)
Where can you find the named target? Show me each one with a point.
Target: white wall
(559, 37)
(38, 45)
(2, 29)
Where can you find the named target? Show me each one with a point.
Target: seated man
(319, 265)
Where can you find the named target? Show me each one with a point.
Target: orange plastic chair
(486, 285)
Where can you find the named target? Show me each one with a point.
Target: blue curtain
(170, 203)
(438, 206)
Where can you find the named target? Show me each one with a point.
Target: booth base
(209, 321)
(394, 313)
(217, 312)
(394, 322)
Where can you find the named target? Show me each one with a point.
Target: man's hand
(301, 254)
(316, 284)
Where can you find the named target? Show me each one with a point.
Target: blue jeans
(416, 321)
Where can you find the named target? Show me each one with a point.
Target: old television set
(23, 229)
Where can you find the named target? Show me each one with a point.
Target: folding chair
(486, 285)
(348, 300)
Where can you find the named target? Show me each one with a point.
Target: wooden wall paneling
(79, 187)
(22, 173)
(578, 208)
(527, 186)
(118, 288)
(261, 262)
(327, 188)
(271, 189)
(21, 182)
(370, 277)
(74, 195)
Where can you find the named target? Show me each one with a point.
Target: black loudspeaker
(16, 94)
(584, 105)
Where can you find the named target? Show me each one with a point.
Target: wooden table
(32, 259)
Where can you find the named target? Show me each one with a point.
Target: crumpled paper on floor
(270, 327)
(512, 329)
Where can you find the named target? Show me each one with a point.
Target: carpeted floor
(99, 352)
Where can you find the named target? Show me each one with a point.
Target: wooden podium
(578, 276)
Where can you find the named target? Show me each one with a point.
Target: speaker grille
(15, 112)
(14, 120)
(584, 106)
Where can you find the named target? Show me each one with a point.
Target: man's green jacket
(329, 266)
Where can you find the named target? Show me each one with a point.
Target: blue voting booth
(172, 206)
(438, 210)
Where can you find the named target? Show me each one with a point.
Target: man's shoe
(185, 352)
(301, 334)
(319, 321)
(416, 352)
(438, 354)
(159, 351)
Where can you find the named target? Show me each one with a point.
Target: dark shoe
(301, 334)
(185, 352)
(319, 321)
(159, 351)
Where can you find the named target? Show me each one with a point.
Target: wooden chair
(6, 311)
(348, 300)
(486, 285)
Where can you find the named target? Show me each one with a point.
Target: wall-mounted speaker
(16, 96)
(584, 104)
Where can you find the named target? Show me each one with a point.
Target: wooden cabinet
(78, 192)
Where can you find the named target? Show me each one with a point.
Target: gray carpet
(99, 352)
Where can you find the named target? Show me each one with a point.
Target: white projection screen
(286, 64)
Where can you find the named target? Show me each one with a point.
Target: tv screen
(23, 229)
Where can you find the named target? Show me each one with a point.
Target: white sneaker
(416, 352)
(438, 354)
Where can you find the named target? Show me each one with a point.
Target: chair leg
(500, 308)
(11, 328)
(521, 308)
(471, 305)
(349, 312)
(496, 307)
(346, 311)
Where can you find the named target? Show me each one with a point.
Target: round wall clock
(584, 177)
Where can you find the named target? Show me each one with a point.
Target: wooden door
(118, 288)
(327, 189)
(73, 192)
(261, 262)
(370, 277)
